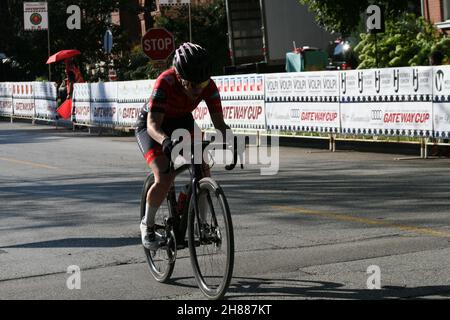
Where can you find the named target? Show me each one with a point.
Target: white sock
(150, 213)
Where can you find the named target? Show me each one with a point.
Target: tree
(209, 29)
(407, 41)
(345, 16)
(29, 49)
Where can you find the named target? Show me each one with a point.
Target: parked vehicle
(261, 32)
(341, 55)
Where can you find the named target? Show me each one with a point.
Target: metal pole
(190, 22)
(376, 50)
(230, 33)
(263, 31)
(48, 44)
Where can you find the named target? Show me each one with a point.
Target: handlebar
(228, 167)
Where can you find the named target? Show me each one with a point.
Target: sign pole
(190, 23)
(48, 44)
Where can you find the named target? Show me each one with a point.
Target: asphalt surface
(309, 232)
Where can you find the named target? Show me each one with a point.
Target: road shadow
(281, 289)
(265, 288)
(80, 243)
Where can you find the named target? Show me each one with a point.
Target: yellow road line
(28, 163)
(343, 217)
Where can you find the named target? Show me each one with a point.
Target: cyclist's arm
(156, 107)
(154, 122)
(214, 103)
(219, 123)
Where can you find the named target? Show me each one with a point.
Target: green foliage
(209, 29)
(29, 49)
(136, 66)
(344, 16)
(407, 41)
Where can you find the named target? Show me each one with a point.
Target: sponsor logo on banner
(242, 112)
(415, 80)
(200, 113)
(252, 83)
(225, 84)
(232, 84)
(129, 113)
(439, 80)
(396, 79)
(245, 84)
(343, 82)
(238, 84)
(361, 81)
(259, 83)
(377, 81)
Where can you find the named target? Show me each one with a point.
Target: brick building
(437, 12)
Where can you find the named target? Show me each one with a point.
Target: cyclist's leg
(202, 201)
(162, 181)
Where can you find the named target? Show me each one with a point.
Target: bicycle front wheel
(211, 240)
(162, 260)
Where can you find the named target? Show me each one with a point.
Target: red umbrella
(62, 55)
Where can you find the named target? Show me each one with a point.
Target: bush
(407, 41)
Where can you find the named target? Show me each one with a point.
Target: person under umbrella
(73, 75)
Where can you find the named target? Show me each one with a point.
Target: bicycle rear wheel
(161, 261)
(211, 240)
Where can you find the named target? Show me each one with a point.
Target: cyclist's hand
(167, 147)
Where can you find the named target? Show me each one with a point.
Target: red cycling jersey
(168, 97)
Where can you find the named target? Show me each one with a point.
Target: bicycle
(209, 233)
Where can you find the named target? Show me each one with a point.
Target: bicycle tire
(160, 268)
(198, 248)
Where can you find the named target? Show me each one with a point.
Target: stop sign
(158, 43)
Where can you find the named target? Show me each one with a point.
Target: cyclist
(177, 92)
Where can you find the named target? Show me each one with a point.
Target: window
(446, 9)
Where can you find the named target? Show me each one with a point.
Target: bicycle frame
(180, 223)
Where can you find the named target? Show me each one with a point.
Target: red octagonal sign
(158, 43)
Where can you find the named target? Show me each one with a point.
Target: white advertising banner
(104, 103)
(242, 100)
(202, 117)
(35, 16)
(82, 103)
(45, 100)
(303, 101)
(132, 95)
(23, 99)
(441, 101)
(392, 101)
(6, 103)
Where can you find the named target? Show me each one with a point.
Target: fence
(395, 102)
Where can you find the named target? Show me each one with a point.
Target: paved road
(309, 232)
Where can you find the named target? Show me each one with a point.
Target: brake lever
(235, 157)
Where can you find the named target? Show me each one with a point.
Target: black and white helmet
(192, 62)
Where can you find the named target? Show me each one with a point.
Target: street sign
(158, 44)
(112, 74)
(107, 41)
(35, 16)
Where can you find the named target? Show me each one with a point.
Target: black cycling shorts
(152, 149)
